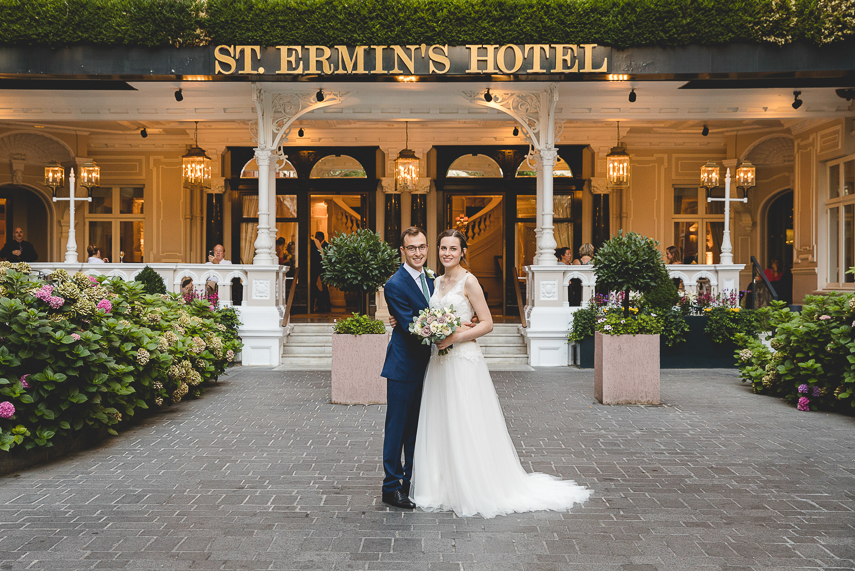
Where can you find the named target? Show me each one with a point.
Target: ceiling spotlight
(705, 131)
(320, 95)
(179, 96)
(488, 97)
(796, 101)
(300, 133)
(632, 96)
(516, 131)
(143, 133)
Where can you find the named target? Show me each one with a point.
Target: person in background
(280, 251)
(94, 253)
(774, 274)
(564, 255)
(18, 250)
(187, 287)
(586, 255)
(673, 255)
(215, 257)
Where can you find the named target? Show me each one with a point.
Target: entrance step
(308, 346)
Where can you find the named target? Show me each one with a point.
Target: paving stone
(264, 473)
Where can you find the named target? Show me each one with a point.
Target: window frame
(701, 218)
(839, 202)
(116, 218)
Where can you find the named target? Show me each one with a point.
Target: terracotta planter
(357, 361)
(626, 369)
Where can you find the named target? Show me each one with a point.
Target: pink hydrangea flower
(804, 404)
(93, 280)
(211, 307)
(7, 409)
(824, 317)
(76, 336)
(105, 305)
(24, 382)
(56, 302)
(803, 388)
(44, 293)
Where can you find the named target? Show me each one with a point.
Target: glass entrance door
(481, 218)
(332, 214)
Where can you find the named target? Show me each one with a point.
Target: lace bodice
(463, 309)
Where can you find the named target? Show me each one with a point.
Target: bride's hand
(448, 341)
(393, 322)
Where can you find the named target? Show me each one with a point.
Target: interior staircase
(309, 346)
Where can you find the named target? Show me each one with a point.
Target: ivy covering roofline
(616, 23)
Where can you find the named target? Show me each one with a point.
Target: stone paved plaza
(264, 473)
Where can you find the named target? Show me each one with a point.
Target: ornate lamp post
(744, 180)
(90, 176)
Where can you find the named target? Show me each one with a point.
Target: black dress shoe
(405, 487)
(398, 499)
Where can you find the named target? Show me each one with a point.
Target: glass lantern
(90, 176)
(54, 177)
(745, 175)
(406, 171)
(196, 168)
(709, 175)
(617, 166)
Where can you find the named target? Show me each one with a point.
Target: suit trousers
(402, 418)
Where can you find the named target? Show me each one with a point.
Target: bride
(464, 458)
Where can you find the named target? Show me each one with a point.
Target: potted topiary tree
(626, 343)
(360, 263)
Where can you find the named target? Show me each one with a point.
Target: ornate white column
(263, 245)
(546, 248)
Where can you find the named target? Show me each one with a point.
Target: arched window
(338, 166)
(250, 170)
(474, 166)
(560, 170)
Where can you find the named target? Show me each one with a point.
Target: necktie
(425, 287)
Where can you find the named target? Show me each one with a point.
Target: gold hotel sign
(411, 60)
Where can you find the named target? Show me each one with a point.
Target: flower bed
(811, 363)
(84, 352)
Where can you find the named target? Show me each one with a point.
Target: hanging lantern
(54, 177)
(406, 167)
(617, 164)
(709, 175)
(196, 166)
(745, 175)
(90, 176)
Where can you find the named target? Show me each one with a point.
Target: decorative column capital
(387, 185)
(262, 157)
(548, 156)
(18, 161)
(423, 186)
(218, 185)
(598, 185)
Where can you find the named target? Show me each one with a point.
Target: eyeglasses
(414, 249)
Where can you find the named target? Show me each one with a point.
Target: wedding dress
(464, 459)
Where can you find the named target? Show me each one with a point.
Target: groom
(407, 293)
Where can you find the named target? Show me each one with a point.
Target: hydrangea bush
(811, 363)
(79, 351)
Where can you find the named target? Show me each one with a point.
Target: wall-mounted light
(320, 95)
(632, 96)
(54, 177)
(143, 133)
(796, 101)
(178, 95)
(488, 97)
(90, 176)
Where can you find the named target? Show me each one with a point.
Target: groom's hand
(472, 323)
(392, 321)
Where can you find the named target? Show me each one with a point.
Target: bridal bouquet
(434, 325)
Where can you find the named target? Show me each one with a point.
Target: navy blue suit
(404, 370)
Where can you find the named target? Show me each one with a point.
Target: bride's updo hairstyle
(454, 233)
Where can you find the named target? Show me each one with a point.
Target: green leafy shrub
(615, 323)
(151, 280)
(812, 361)
(359, 325)
(629, 262)
(584, 322)
(663, 295)
(358, 262)
(83, 352)
(674, 326)
(725, 323)
(618, 23)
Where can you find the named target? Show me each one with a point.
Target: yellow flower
(707, 309)
(734, 309)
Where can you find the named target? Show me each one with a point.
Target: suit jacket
(28, 253)
(406, 357)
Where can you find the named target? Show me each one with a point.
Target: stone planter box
(357, 361)
(626, 369)
(698, 351)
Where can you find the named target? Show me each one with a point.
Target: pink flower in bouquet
(7, 409)
(105, 305)
(441, 319)
(426, 331)
(431, 318)
(804, 404)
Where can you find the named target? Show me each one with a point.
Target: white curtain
(248, 230)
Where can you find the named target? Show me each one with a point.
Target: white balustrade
(261, 310)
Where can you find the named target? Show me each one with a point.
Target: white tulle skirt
(465, 460)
